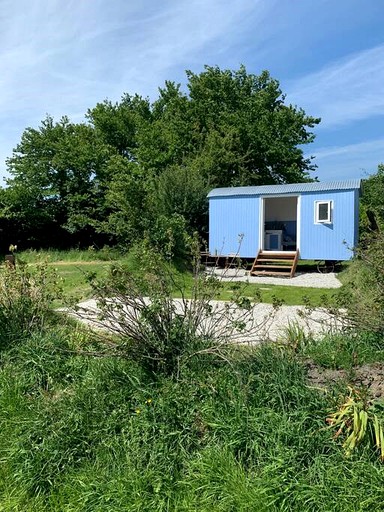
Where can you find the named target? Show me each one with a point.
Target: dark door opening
(280, 224)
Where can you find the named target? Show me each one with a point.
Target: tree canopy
(132, 162)
(372, 211)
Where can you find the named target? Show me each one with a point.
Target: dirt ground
(369, 376)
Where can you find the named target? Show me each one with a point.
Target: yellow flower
(137, 411)
(148, 401)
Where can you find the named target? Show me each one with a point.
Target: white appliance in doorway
(273, 240)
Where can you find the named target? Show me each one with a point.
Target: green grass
(70, 255)
(97, 434)
(345, 351)
(87, 427)
(73, 266)
(289, 295)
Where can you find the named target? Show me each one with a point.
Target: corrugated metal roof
(291, 188)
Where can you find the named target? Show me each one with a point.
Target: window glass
(323, 212)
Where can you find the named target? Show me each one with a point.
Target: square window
(323, 212)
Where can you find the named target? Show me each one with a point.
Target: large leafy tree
(229, 128)
(117, 124)
(58, 177)
(235, 126)
(134, 162)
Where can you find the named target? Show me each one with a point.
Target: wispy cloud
(63, 57)
(359, 159)
(345, 91)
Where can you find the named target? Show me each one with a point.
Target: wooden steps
(275, 264)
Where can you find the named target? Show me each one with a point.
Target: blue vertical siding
(234, 216)
(333, 241)
(229, 218)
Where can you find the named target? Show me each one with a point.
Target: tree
(233, 125)
(135, 162)
(117, 124)
(372, 202)
(58, 175)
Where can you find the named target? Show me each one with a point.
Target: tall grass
(70, 255)
(83, 431)
(95, 434)
(26, 296)
(72, 265)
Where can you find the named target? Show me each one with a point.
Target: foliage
(78, 256)
(126, 200)
(243, 124)
(57, 181)
(81, 433)
(110, 179)
(73, 265)
(26, 297)
(357, 421)
(295, 337)
(372, 204)
(344, 350)
(363, 294)
(182, 190)
(163, 333)
(168, 236)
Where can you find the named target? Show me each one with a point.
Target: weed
(26, 296)
(344, 351)
(295, 337)
(357, 421)
(163, 333)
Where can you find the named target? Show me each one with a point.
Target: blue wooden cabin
(316, 221)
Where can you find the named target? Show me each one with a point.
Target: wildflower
(148, 401)
(137, 411)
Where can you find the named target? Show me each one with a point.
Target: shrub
(163, 333)
(169, 236)
(364, 293)
(26, 296)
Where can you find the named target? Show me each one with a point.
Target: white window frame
(328, 220)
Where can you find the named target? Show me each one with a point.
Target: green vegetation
(74, 265)
(167, 416)
(84, 433)
(372, 204)
(343, 350)
(137, 168)
(161, 413)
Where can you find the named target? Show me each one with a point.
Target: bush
(163, 333)
(169, 236)
(26, 296)
(364, 293)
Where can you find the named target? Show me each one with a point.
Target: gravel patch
(262, 323)
(308, 280)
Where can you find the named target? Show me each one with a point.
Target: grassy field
(74, 265)
(90, 424)
(97, 434)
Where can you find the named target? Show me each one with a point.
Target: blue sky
(62, 57)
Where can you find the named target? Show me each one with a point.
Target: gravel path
(261, 324)
(308, 280)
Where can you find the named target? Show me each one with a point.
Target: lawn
(74, 266)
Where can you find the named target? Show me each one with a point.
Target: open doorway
(279, 225)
